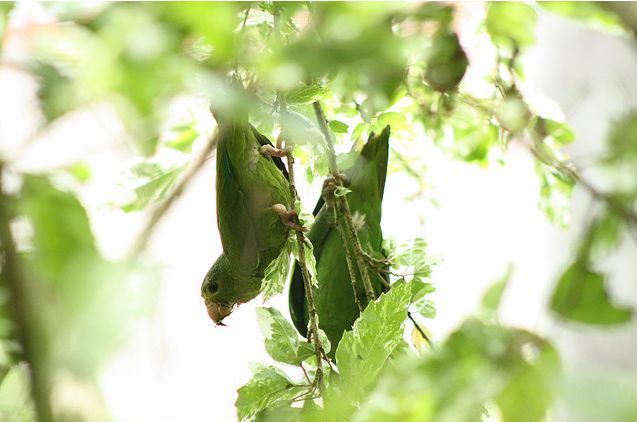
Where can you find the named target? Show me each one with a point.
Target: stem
(420, 330)
(348, 256)
(28, 331)
(343, 208)
(307, 283)
(163, 207)
(564, 168)
(331, 154)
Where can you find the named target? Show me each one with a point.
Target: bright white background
(178, 366)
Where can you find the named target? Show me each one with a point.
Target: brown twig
(342, 206)
(348, 255)
(28, 327)
(161, 209)
(307, 282)
(313, 336)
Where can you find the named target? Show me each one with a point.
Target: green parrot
(253, 222)
(334, 298)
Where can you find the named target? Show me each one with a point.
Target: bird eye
(213, 287)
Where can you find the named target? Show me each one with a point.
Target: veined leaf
(281, 338)
(269, 386)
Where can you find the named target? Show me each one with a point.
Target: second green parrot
(252, 193)
(334, 298)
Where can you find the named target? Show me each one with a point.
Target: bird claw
(289, 217)
(271, 151)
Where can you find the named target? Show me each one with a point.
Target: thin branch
(28, 329)
(163, 207)
(342, 207)
(319, 352)
(313, 336)
(567, 170)
(348, 255)
(420, 330)
(345, 211)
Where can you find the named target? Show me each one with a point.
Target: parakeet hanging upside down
(334, 297)
(252, 193)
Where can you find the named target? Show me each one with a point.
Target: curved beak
(218, 312)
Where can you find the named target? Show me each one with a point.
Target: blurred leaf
(555, 192)
(447, 61)
(580, 296)
(590, 13)
(281, 338)
(590, 395)
(154, 188)
(478, 364)
(492, 297)
(15, 397)
(80, 171)
(195, 19)
(307, 94)
(621, 142)
(512, 114)
(182, 138)
(338, 127)
(56, 90)
(605, 232)
(297, 129)
(510, 24)
(268, 387)
(62, 233)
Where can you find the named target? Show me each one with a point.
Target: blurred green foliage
(370, 65)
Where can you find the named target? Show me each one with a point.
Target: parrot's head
(223, 288)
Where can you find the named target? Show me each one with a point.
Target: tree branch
(28, 328)
(161, 209)
(343, 209)
(319, 352)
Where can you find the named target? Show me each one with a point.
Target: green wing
(236, 227)
(334, 298)
(248, 185)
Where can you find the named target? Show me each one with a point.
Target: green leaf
(580, 296)
(590, 13)
(80, 171)
(533, 382)
(268, 387)
(511, 25)
(479, 365)
(281, 338)
(62, 233)
(310, 260)
(307, 94)
(154, 188)
(362, 352)
(413, 255)
(182, 138)
(297, 129)
(492, 297)
(338, 127)
(512, 114)
(419, 301)
(276, 274)
(341, 191)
